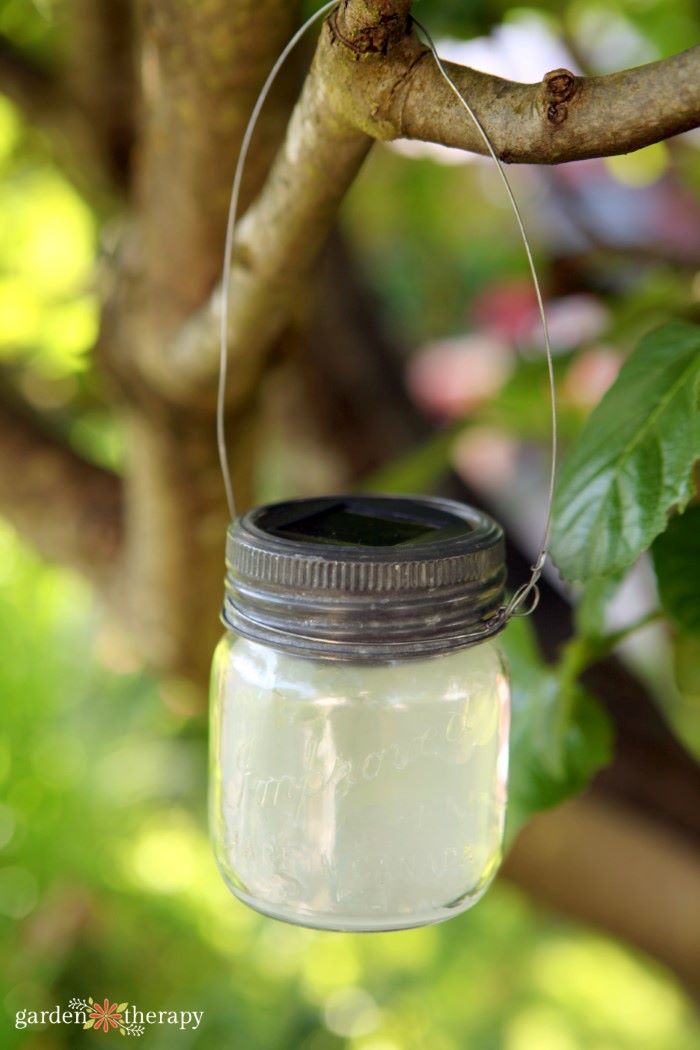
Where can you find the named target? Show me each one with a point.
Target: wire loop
(526, 598)
(516, 606)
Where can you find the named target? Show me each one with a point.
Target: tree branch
(203, 65)
(372, 79)
(277, 244)
(280, 237)
(561, 119)
(70, 509)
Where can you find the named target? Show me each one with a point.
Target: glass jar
(360, 712)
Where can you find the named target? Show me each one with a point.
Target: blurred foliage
(590, 609)
(33, 25)
(560, 734)
(108, 888)
(429, 242)
(49, 305)
(421, 470)
(666, 27)
(676, 555)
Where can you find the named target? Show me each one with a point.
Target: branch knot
(560, 86)
(367, 32)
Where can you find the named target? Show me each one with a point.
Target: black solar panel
(363, 526)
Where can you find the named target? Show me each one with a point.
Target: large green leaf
(676, 555)
(560, 734)
(632, 463)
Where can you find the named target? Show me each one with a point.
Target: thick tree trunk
(202, 66)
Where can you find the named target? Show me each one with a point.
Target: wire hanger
(525, 599)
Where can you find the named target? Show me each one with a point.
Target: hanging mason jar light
(360, 711)
(360, 703)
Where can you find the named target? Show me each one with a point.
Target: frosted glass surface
(358, 797)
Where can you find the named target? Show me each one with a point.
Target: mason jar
(360, 711)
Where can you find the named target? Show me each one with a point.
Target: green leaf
(590, 610)
(676, 555)
(560, 734)
(88, 1024)
(121, 1008)
(632, 462)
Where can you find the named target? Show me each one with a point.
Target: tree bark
(99, 78)
(202, 66)
(563, 118)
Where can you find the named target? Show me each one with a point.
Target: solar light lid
(367, 578)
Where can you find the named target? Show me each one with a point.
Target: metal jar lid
(365, 578)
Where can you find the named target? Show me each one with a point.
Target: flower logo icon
(106, 1016)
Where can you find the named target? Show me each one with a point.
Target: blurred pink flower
(453, 376)
(485, 457)
(572, 320)
(590, 375)
(510, 311)
(506, 309)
